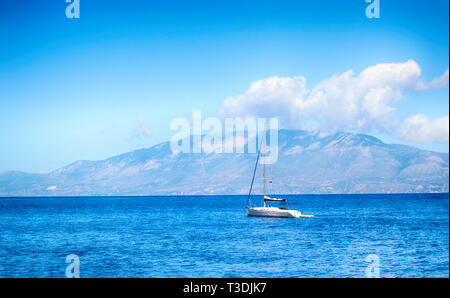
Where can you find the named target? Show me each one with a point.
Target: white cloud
(53, 187)
(419, 128)
(266, 98)
(347, 101)
(440, 82)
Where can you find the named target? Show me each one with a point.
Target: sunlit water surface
(211, 236)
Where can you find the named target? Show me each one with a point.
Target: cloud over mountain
(419, 128)
(353, 102)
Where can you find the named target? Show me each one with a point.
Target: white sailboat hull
(267, 210)
(274, 212)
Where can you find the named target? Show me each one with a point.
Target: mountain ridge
(307, 163)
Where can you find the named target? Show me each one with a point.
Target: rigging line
(254, 172)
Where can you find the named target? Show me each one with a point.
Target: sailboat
(266, 210)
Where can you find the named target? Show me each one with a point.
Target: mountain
(307, 163)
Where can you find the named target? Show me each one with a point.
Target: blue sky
(77, 89)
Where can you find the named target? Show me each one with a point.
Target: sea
(379, 235)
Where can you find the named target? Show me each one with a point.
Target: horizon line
(221, 195)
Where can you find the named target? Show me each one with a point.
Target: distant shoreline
(221, 195)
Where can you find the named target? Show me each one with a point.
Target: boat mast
(254, 172)
(264, 164)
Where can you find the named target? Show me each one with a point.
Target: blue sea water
(211, 236)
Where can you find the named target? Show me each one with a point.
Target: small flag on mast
(270, 181)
